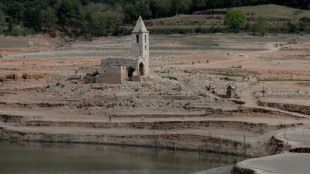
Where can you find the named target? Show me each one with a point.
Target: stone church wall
(113, 75)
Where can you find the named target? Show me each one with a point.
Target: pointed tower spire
(140, 27)
(140, 48)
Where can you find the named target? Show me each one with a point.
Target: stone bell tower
(140, 48)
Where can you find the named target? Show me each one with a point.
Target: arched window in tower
(137, 38)
(145, 38)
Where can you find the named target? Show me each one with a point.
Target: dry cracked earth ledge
(182, 104)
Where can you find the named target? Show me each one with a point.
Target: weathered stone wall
(113, 75)
(106, 63)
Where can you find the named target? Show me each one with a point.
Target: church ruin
(118, 70)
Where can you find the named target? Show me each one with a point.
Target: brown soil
(299, 55)
(298, 46)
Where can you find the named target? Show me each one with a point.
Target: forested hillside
(102, 17)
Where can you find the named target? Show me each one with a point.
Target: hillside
(275, 11)
(103, 17)
(278, 17)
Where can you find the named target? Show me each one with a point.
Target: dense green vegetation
(236, 19)
(103, 17)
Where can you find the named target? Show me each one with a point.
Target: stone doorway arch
(130, 72)
(141, 69)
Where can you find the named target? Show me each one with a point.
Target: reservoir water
(62, 158)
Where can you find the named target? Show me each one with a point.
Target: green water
(41, 158)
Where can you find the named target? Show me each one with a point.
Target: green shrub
(292, 27)
(92, 74)
(227, 79)
(15, 32)
(170, 78)
(182, 31)
(53, 34)
(260, 26)
(301, 25)
(229, 74)
(235, 19)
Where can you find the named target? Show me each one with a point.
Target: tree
(292, 27)
(199, 4)
(143, 8)
(260, 26)
(83, 20)
(305, 4)
(32, 18)
(181, 6)
(65, 13)
(49, 19)
(295, 24)
(161, 8)
(16, 11)
(3, 24)
(131, 14)
(104, 23)
(235, 19)
(85, 2)
(214, 4)
(301, 25)
(112, 20)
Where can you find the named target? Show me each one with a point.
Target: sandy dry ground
(37, 96)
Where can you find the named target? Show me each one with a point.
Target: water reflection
(30, 157)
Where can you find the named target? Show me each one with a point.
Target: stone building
(118, 70)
